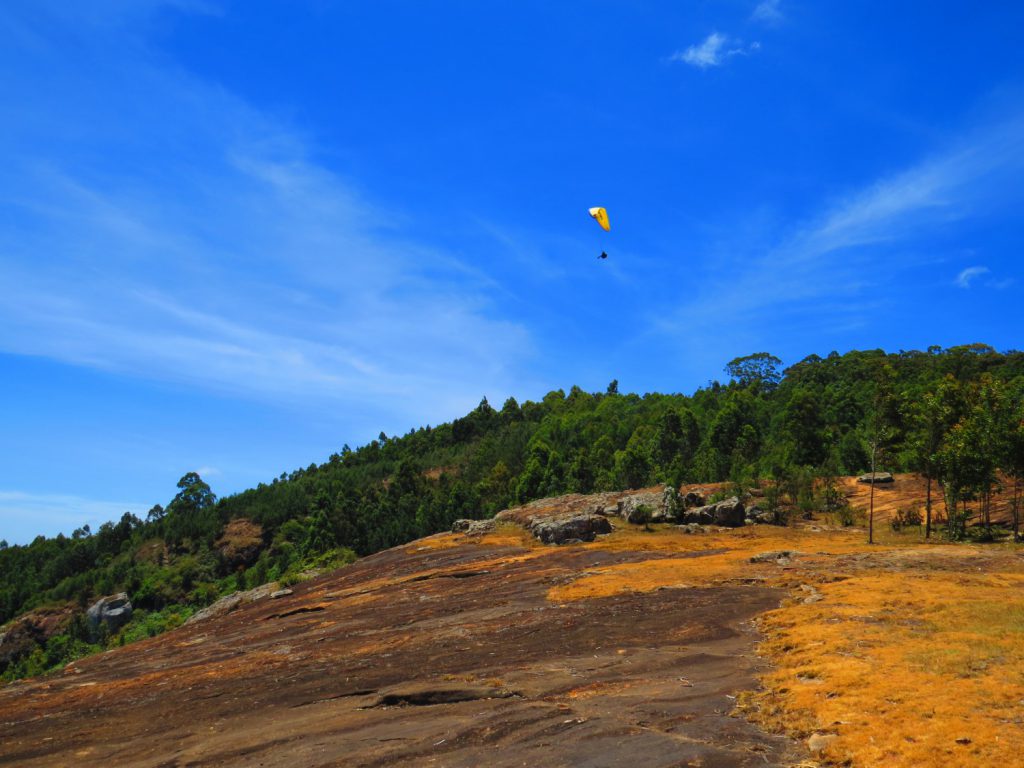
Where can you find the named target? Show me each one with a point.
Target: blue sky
(235, 236)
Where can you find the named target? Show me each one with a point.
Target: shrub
(905, 518)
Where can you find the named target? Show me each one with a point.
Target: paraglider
(600, 215)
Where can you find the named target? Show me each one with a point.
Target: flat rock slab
(419, 657)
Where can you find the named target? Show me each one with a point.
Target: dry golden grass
(901, 665)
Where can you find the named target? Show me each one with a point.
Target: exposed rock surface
(112, 612)
(632, 509)
(782, 557)
(230, 602)
(473, 526)
(563, 530)
(446, 653)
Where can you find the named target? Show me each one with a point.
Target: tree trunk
(928, 509)
(871, 513)
(1016, 508)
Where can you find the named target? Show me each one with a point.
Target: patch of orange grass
(900, 666)
(714, 558)
(599, 688)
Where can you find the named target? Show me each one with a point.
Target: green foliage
(152, 623)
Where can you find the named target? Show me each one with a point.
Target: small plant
(641, 515)
(844, 515)
(906, 518)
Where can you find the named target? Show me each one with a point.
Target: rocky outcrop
(29, 632)
(876, 478)
(728, 514)
(757, 516)
(473, 526)
(567, 530)
(693, 499)
(642, 508)
(781, 557)
(240, 544)
(112, 612)
(230, 602)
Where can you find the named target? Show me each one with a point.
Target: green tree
(760, 368)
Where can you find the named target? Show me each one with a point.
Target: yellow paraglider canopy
(601, 217)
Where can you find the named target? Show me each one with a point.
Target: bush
(906, 518)
(844, 515)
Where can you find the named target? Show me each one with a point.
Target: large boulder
(728, 513)
(877, 477)
(633, 508)
(693, 499)
(758, 516)
(112, 611)
(663, 507)
(563, 530)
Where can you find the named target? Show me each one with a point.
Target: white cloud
(706, 54)
(963, 280)
(768, 12)
(209, 249)
(713, 51)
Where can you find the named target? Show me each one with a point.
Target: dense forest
(954, 415)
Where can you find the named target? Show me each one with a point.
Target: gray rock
(584, 527)
(691, 528)
(757, 516)
(728, 513)
(878, 477)
(693, 499)
(630, 507)
(473, 526)
(608, 509)
(280, 593)
(112, 611)
(781, 557)
(230, 602)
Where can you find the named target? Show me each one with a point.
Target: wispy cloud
(841, 252)
(212, 250)
(713, 51)
(966, 276)
(768, 12)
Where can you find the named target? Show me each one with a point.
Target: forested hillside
(955, 415)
